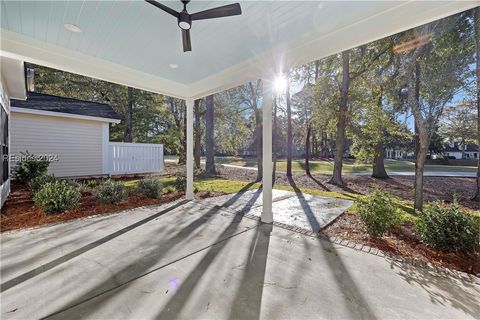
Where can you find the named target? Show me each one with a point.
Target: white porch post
(267, 215)
(189, 164)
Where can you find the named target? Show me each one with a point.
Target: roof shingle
(46, 102)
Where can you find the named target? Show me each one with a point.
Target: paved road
(392, 173)
(196, 260)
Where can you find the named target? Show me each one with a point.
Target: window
(4, 145)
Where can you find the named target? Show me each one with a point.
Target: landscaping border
(459, 275)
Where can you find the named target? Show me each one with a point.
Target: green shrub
(39, 181)
(57, 197)
(180, 183)
(150, 187)
(448, 227)
(29, 167)
(110, 191)
(91, 183)
(378, 212)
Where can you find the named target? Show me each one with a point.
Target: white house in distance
(461, 151)
(73, 134)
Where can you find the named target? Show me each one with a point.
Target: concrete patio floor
(200, 260)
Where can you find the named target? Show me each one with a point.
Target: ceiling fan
(185, 19)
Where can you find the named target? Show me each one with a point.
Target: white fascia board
(20, 47)
(316, 45)
(62, 115)
(13, 78)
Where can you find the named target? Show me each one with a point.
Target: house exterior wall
(471, 155)
(75, 145)
(457, 155)
(5, 104)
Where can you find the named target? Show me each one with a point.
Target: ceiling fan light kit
(184, 19)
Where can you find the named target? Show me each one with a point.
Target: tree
(476, 17)
(289, 128)
(459, 123)
(128, 134)
(436, 66)
(342, 120)
(210, 137)
(248, 96)
(198, 133)
(354, 63)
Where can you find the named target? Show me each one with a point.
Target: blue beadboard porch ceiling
(133, 43)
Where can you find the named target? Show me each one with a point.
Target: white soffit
(134, 43)
(13, 76)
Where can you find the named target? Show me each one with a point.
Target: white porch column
(267, 215)
(189, 164)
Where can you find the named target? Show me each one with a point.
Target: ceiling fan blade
(187, 44)
(218, 12)
(163, 7)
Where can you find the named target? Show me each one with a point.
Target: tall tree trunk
(379, 171)
(198, 134)
(182, 157)
(476, 17)
(289, 131)
(307, 148)
(421, 146)
(419, 168)
(128, 133)
(342, 121)
(209, 137)
(274, 140)
(258, 130)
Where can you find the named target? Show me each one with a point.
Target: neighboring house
(73, 134)
(396, 154)
(461, 151)
(11, 86)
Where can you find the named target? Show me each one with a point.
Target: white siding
(78, 143)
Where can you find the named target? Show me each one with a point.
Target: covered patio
(123, 42)
(250, 255)
(211, 259)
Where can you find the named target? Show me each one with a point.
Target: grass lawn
(234, 186)
(326, 167)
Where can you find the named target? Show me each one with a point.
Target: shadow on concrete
(357, 306)
(441, 288)
(52, 264)
(306, 208)
(142, 268)
(174, 306)
(248, 297)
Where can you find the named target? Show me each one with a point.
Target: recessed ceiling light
(72, 28)
(173, 65)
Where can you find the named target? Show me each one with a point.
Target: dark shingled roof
(46, 102)
(456, 148)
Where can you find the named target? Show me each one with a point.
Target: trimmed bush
(38, 182)
(29, 167)
(150, 187)
(448, 227)
(378, 212)
(110, 191)
(180, 183)
(57, 197)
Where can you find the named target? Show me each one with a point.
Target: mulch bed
(435, 188)
(402, 241)
(19, 210)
